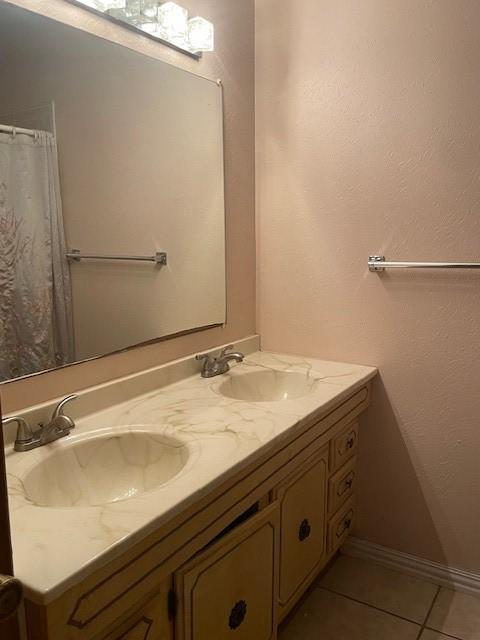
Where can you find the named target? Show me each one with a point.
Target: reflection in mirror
(112, 154)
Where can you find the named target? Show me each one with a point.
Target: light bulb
(200, 34)
(173, 21)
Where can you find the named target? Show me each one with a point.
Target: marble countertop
(54, 548)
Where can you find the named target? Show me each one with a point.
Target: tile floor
(360, 600)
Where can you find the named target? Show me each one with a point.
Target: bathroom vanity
(242, 489)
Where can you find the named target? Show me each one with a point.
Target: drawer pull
(237, 615)
(347, 443)
(304, 531)
(346, 485)
(345, 525)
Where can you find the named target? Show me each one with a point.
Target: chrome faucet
(216, 366)
(59, 426)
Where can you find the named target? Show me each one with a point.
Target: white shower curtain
(36, 327)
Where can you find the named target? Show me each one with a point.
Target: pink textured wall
(368, 140)
(233, 62)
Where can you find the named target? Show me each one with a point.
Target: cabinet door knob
(10, 596)
(304, 531)
(346, 485)
(345, 525)
(237, 614)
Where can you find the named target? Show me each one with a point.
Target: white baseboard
(432, 571)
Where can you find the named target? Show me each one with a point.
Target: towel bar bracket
(375, 262)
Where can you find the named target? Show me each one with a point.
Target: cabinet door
(303, 515)
(150, 622)
(230, 589)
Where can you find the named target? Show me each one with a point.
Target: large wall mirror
(112, 154)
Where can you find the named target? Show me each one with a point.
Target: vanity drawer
(342, 485)
(340, 526)
(150, 622)
(302, 500)
(230, 589)
(344, 446)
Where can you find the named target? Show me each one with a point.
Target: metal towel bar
(379, 264)
(159, 258)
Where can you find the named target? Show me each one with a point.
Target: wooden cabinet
(234, 563)
(302, 499)
(230, 589)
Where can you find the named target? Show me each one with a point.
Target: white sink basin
(267, 385)
(104, 468)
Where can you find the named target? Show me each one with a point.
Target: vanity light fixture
(167, 22)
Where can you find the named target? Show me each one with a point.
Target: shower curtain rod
(6, 128)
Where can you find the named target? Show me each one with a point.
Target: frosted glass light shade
(132, 7)
(95, 4)
(152, 28)
(139, 12)
(149, 8)
(201, 34)
(173, 21)
(106, 5)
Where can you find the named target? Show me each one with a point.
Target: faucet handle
(209, 361)
(58, 411)
(225, 350)
(207, 358)
(24, 432)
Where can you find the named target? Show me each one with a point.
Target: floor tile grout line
(429, 612)
(447, 635)
(425, 623)
(420, 633)
(395, 615)
(371, 606)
